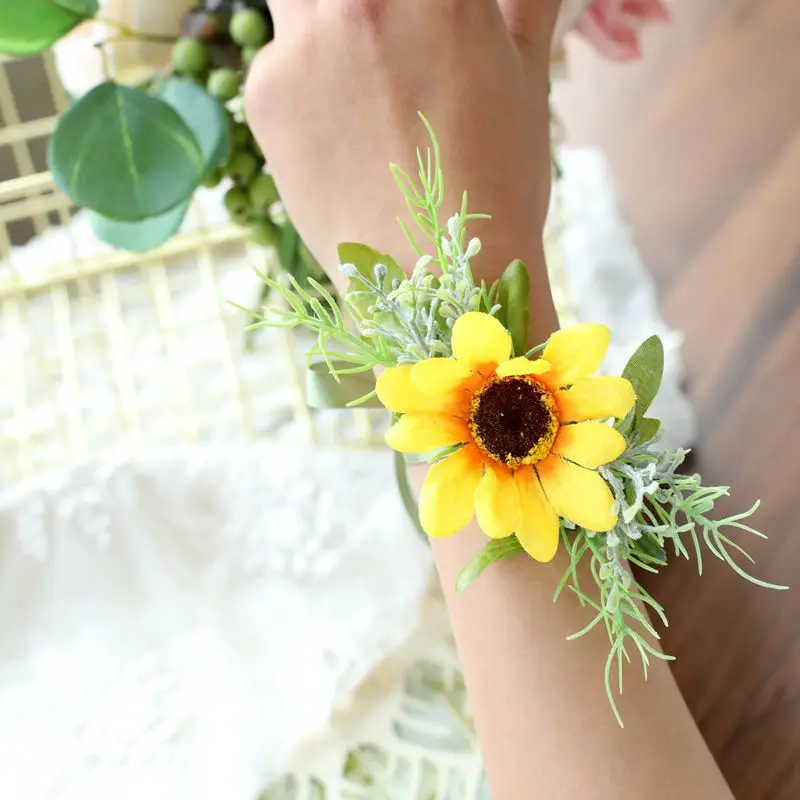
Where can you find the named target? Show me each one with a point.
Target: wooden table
(704, 139)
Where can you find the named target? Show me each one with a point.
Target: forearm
(333, 100)
(543, 719)
(541, 711)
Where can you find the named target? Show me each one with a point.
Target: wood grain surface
(704, 138)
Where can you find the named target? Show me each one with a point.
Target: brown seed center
(513, 420)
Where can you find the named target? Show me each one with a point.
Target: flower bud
(454, 226)
(473, 248)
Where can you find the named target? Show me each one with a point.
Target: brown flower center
(513, 420)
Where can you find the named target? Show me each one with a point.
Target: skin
(332, 101)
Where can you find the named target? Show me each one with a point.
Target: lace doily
(175, 627)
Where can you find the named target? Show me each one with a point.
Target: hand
(334, 99)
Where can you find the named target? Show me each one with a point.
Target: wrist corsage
(531, 443)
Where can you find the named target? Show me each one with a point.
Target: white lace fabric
(175, 627)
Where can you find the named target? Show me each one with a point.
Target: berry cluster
(219, 42)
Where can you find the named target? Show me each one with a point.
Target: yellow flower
(530, 431)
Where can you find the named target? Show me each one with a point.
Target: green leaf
(495, 550)
(406, 493)
(125, 154)
(289, 250)
(365, 765)
(433, 456)
(365, 259)
(648, 428)
(204, 115)
(513, 295)
(28, 27)
(644, 370)
(137, 237)
(326, 390)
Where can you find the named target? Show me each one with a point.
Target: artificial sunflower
(530, 432)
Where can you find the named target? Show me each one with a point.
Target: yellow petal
(447, 498)
(577, 494)
(497, 503)
(538, 531)
(523, 366)
(439, 376)
(398, 392)
(595, 398)
(575, 352)
(423, 433)
(589, 444)
(480, 339)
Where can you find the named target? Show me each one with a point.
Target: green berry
(248, 28)
(224, 83)
(248, 55)
(264, 233)
(213, 178)
(240, 135)
(237, 202)
(263, 192)
(242, 167)
(189, 56)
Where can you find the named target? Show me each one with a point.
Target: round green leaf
(125, 154)
(28, 27)
(146, 234)
(204, 115)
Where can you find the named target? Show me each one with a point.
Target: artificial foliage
(134, 155)
(544, 454)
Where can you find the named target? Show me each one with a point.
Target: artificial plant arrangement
(528, 440)
(133, 149)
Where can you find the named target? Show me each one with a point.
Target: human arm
(333, 101)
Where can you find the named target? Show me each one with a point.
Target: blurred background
(149, 469)
(703, 135)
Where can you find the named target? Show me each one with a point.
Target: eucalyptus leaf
(87, 8)
(125, 154)
(326, 390)
(645, 370)
(28, 27)
(513, 295)
(137, 237)
(365, 259)
(495, 550)
(204, 115)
